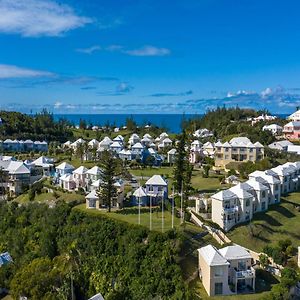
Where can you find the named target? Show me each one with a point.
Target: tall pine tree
(107, 192)
(182, 167)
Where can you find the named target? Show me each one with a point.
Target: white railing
(245, 274)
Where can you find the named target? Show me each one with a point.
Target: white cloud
(89, 50)
(266, 92)
(32, 18)
(149, 51)
(124, 87)
(10, 71)
(58, 104)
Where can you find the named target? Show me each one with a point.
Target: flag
(5, 259)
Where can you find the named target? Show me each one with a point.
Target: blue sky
(149, 56)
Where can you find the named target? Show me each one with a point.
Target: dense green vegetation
(42, 126)
(55, 249)
(229, 122)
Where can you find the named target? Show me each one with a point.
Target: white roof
(195, 143)
(293, 148)
(140, 192)
(235, 252)
(80, 170)
(138, 146)
(94, 171)
(208, 145)
(240, 140)
(224, 195)
(164, 134)
(151, 151)
(125, 152)
(66, 177)
(97, 297)
(106, 141)
(240, 192)
(92, 195)
(93, 142)
(156, 180)
(172, 151)
(97, 183)
(116, 145)
(147, 135)
(212, 256)
(17, 167)
(167, 140)
(218, 144)
(119, 138)
(43, 161)
(64, 166)
(272, 126)
(258, 186)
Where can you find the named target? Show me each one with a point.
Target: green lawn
(148, 172)
(130, 215)
(279, 222)
(44, 197)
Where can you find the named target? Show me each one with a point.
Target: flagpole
(139, 198)
(162, 214)
(150, 212)
(173, 209)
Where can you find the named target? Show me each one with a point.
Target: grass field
(130, 215)
(44, 197)
(279, 222)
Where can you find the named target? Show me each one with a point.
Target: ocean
(172, 122)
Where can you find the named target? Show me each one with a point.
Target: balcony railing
(230, 210)
(245, 274)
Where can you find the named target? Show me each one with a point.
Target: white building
(64, 168)
(157, 187)
(171, 156)
(264, 188)
(203, 133)
(226, 271)
(79, 176)
(281, 145)
(295, 117)
(273, 128)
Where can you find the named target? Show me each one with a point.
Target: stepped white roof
(66, 178)
(212, 256)
(138, 146)
(43, 161)
(140, 192)
(94, 171)
(224, 195)
(93, 143)
(156, 180)
(16, 167)
(241, 140)
(106, 141)
(81, 170)
(65, 166)
(240, 192)
(235, 252)
(116, 145)
(92, 195)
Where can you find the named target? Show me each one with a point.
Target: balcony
(230, 210)
(250, 273)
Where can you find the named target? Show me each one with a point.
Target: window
(218, 271)
(263, 206)
(247, 202)
(276, 187)
(263, 194)
(150, 188)
(241, 265)
(218, 288)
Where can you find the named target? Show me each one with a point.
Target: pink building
(292, 130)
